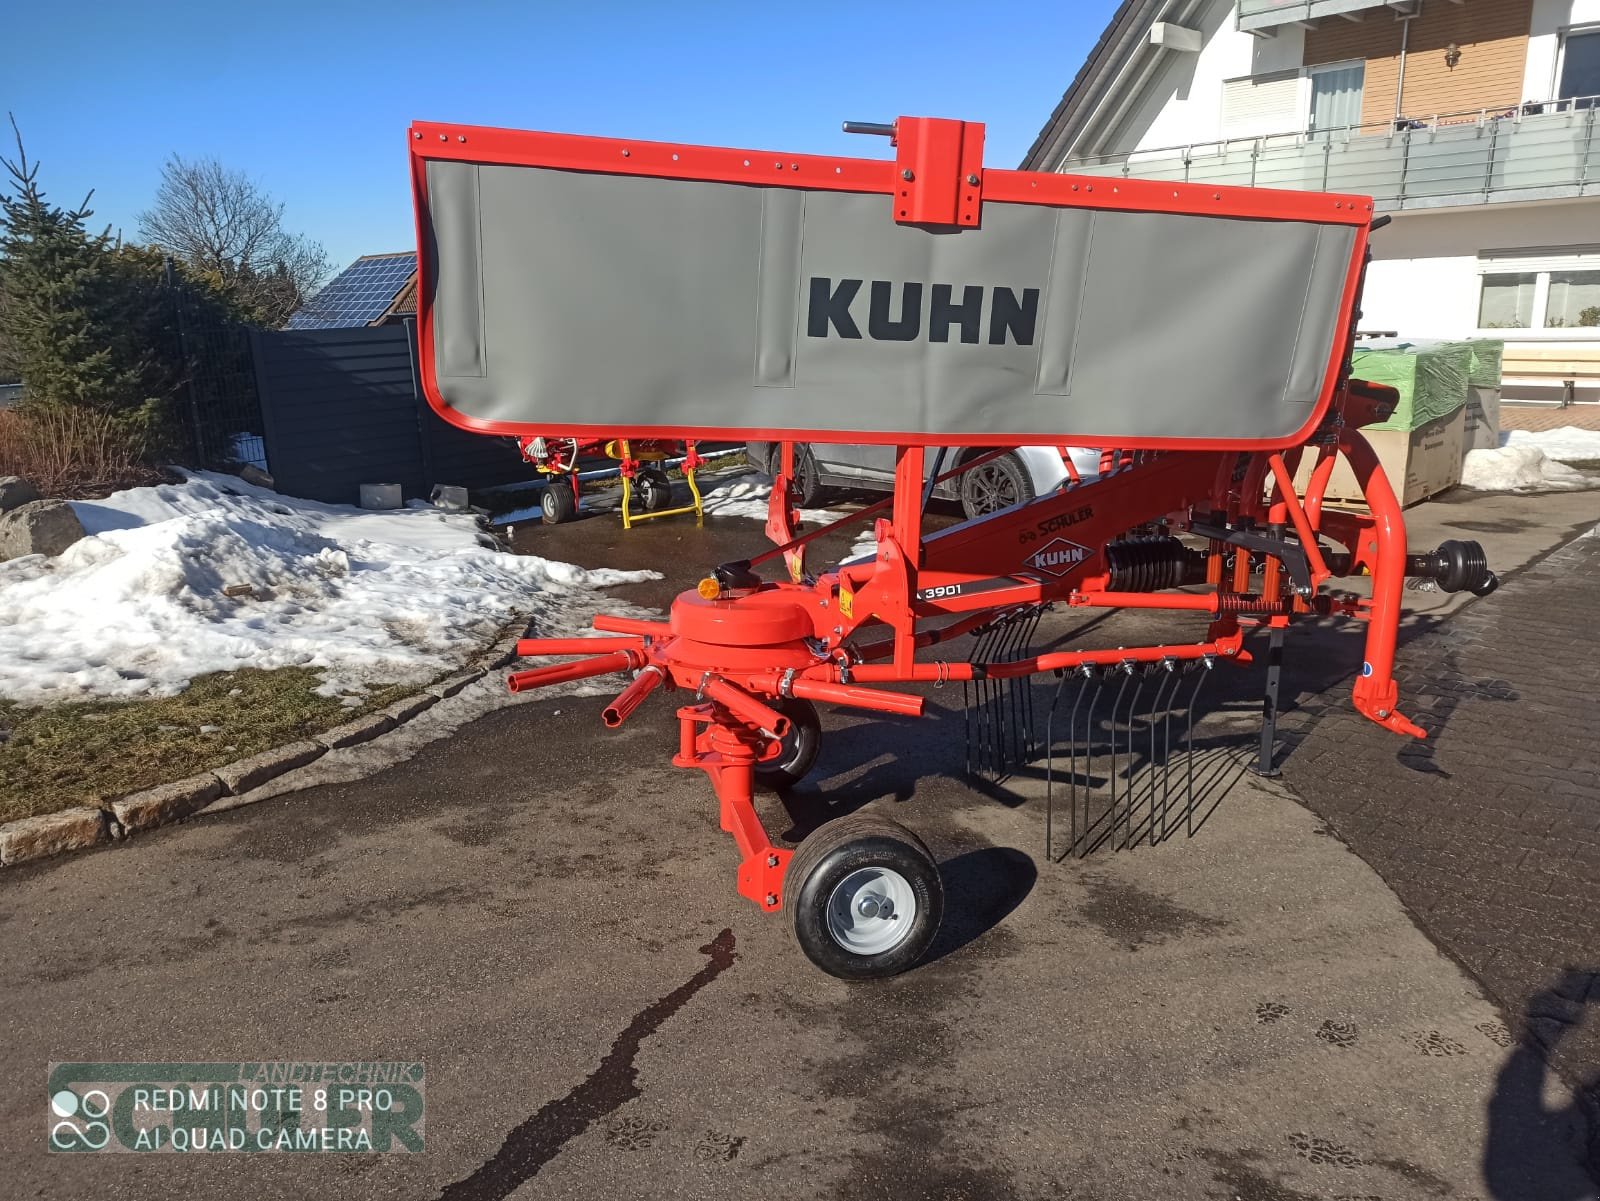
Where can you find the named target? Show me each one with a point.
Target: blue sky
(313, 99)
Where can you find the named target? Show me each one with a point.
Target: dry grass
(72, 453)
(84, 754)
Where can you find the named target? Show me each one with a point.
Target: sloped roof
(360, 294)
(1118, 71)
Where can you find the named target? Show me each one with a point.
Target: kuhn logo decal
(1058, 556)
(897, 312)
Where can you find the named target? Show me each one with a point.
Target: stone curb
(256, 770)
(165, 803)
(30, 838)
(354, 733)
(51, 833)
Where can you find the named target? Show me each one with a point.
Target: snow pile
(141, 607)
(1520, 469)
(747, 496)
(1569, 444)
(1534, 461)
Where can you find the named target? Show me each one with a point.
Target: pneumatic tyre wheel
(797, 754)
(996, 485)
(807, 485)
(654, 489)
(558, 505)
(864, 897)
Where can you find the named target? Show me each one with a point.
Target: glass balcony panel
(1372, 166)
(1447, 161)
(1556, 145)
(1541, 152)
(1169, 167)
(1297, 166)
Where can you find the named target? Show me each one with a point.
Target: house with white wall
(1471, 122)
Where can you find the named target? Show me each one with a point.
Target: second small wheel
(797, 753)
(654, 489)
(558, 504)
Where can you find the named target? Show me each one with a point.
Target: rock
(50, 834)
(14, 491)
(353, 733)
(40, 527)
(251, 474)
(168, 803)
(241, 777)
(450, 497)
(238, 590)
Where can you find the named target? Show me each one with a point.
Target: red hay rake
(1209, 525)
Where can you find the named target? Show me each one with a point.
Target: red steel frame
(740, 646)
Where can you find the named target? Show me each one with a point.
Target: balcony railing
(1530, 152)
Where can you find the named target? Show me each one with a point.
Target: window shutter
(1261, 104)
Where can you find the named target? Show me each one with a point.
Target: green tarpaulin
(1431, 377)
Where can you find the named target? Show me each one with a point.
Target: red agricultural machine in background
(1200, 335)
(640, 464)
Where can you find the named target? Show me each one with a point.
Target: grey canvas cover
(634, 304)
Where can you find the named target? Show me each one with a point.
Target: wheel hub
(871, 911)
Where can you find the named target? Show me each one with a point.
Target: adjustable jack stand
(1269, 705)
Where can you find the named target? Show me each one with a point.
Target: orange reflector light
(709, 588)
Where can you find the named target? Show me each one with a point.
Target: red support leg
(1376, 694)
(727, 751)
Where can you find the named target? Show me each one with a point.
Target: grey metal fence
(342, 408)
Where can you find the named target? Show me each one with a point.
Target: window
(1336, 96)
(1507, 301)
(1580, 66)
(1574, 300)
(1546, 290)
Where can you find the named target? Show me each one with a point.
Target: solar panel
(358, 295)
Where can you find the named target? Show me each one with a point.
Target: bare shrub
(71, 452)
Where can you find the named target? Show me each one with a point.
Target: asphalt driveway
(544, 912)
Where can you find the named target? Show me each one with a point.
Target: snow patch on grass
(142, 606)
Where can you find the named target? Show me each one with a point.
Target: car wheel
(807, 485)
(998, 484)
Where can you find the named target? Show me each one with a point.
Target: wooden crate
(1419, 463)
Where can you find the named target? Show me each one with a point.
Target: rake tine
(1088, 762)
(1138, 675)
(1005, 693)
(1030, 737)
(1050, 765)
(1116, 708)
(1158, 767)
(1188, 807)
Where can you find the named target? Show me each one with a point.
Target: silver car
(1018, 475)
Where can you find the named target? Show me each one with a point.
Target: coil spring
(1241, 602)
